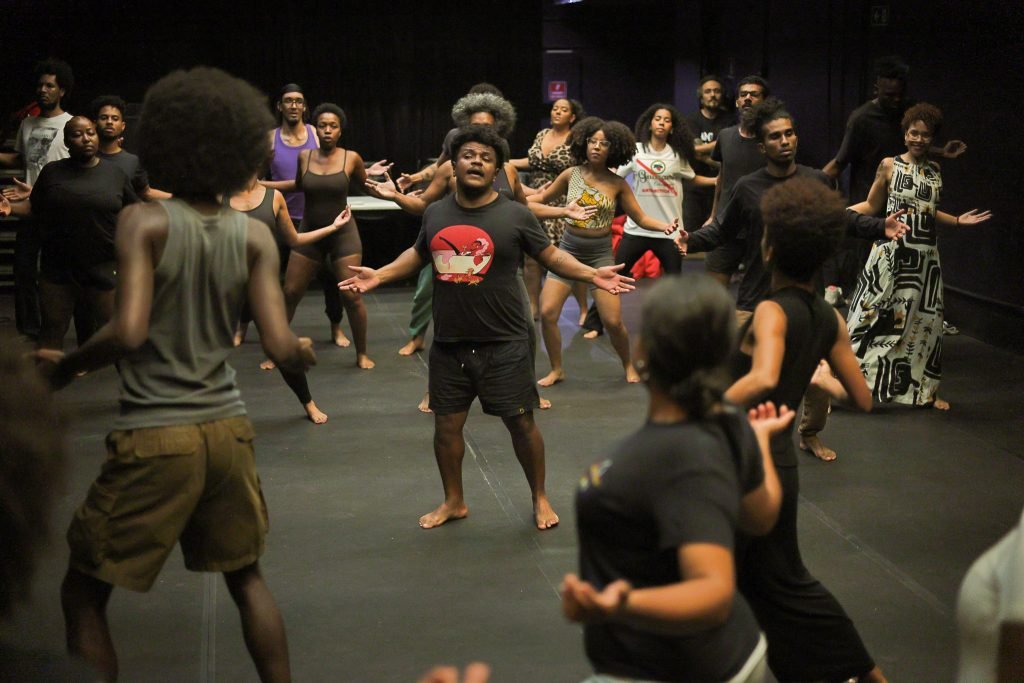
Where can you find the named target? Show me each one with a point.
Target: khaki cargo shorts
(159, 485)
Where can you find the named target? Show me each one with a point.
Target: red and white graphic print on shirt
(462, 254)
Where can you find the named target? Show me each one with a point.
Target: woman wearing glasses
(597, 147)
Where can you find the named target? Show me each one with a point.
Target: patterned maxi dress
(895, 318)
(545, 168)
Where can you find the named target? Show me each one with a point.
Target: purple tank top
(283, 165)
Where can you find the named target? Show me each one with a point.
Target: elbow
(130, 338)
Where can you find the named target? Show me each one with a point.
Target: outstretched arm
(879, 191)
(365, 279)
(564, 264)
(291, 236)
(553, 191)
(968, 218)
(632, 208)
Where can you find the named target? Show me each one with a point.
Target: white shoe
(834, 295)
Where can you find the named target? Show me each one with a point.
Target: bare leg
(356, 310)
(813, 421)
(610, 309)
(529, 447)
(262, 625)
(449, 449)
(84, 601)
(579, 292)
(338, 336)
(552, 299)
(300, 272)
(531, 275)
(57, 305)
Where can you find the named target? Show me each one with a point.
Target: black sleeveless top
(326, 196)
(811, 328)
(263, 212)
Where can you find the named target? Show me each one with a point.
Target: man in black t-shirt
(107, 112)
(705, 124)
(737, 154)
(476, 240)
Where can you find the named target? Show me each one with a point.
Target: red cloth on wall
(648, 265)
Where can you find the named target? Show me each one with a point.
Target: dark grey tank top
(180, 375)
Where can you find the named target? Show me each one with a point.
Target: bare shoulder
(145, 216)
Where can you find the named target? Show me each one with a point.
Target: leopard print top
(545, 168)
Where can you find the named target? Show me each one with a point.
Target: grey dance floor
(890, 527)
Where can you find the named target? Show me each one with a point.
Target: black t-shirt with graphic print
(476, 254)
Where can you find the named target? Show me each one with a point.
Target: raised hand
(766, 420)
(379, 168)
(973, 217)
(954, 148)
(608, 279)
(18, 192)
(894, 227)
(382, 190)
(363, 281)
(576, 212)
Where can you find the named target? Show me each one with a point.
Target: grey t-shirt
(476, 255)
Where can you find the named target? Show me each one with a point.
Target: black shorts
(726, 258)
(499, 373)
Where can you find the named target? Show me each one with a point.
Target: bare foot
(591, 334)
(267, 365)
(814, 446)
(412, 346)
(632, 376)
(939, 404)
(363, 361)
(583, 317)
(338, 337)
(424, 406)
(544, 403)
(543, 514)
(442, 514)
(240, 333)
(315, 415)
(553, 377)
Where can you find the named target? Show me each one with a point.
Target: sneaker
(834, 295)
(950, 330)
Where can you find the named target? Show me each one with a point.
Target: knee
(549, 312)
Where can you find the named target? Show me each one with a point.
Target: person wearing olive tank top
(810, 636)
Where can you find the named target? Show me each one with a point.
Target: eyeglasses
(603, 144)
(292, 103)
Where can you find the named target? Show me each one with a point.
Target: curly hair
(485, 135)
(681, 137)
(330, 108)
(203, 132)
(31, 469)
(60, 69)
(106, 101)
(623, 143)
(688, 334)
(484, 86)
(804, 222)
(929, 114)
(706, 79)
(772, 109)
(501, 109)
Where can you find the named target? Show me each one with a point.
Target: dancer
(895, 317)
(660, 169)
(810, 637)
(325, 175)
(705, 123)
(657, 520)
(182, 428)
(75, 202)
(476, 239)
(547, 157)
(597, 146)
(107, 112)
(293, 135)
(270, 208)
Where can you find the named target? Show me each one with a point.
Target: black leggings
(629, 251)
(810, 637)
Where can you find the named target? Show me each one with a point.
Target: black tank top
(326, 196)
(263, 212)
(811, 328)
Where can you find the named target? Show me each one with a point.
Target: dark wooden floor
(368, 596)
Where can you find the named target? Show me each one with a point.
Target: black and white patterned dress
(895, 318)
